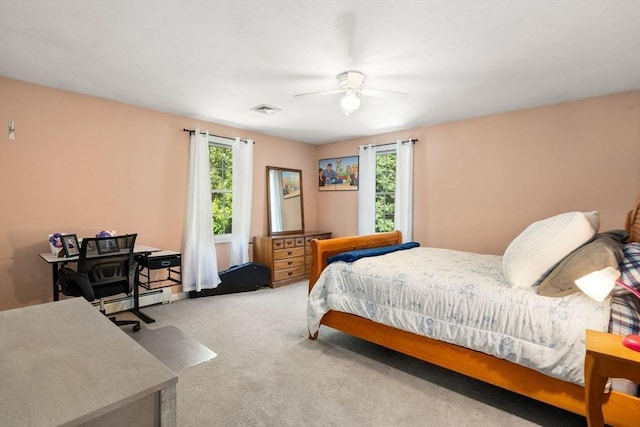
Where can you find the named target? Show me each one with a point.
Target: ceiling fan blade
(324, 92)
(382, 93)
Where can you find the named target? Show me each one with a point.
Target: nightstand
(606, 358)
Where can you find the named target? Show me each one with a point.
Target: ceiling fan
(351, 84)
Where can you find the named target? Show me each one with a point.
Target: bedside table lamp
(598, 285)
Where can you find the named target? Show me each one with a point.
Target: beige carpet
(267, 373)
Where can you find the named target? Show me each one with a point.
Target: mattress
(463, 298)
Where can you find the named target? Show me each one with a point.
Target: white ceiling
(214, 60)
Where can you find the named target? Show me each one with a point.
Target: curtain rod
(413, 141)
(192, 131)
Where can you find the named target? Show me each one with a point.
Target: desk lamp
(598, 285)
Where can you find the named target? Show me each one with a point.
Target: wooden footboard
(618, 408)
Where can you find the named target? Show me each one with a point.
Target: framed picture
(70, 245)
(108, 246)
(340, 173)
(290, 184)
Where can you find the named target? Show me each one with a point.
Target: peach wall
(479, 182)
(81, 164)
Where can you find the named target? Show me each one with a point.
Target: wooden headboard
(323, 249)
(633, 222)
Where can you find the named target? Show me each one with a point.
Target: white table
(64, 363)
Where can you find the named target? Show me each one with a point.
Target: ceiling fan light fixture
(351, 85)
(350, 102)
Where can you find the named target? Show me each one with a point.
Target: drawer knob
(290, 273)
(290, 262)
(289, 252)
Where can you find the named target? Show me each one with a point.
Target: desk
(64, 363)
(55, 261)
(606, 358)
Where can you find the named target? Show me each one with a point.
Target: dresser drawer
(278, 243)
(288, 273)
(287, 242)
(321, 236)
(288, 253)
(283, 264)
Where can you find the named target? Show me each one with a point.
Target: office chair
(106, 267)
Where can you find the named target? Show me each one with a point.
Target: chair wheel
(136, 328)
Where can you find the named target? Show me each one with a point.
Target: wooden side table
(606, 358)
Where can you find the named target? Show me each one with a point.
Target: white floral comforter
(462, 298)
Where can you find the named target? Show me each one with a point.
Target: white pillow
(594, 219)
(543, 244)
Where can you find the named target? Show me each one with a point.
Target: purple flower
(103, 234)
(55, 238)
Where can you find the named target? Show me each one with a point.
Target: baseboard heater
(155, 296)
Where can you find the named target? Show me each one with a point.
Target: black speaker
(239, 278)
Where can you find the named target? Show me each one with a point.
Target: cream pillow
(594, 219)
(543, 244)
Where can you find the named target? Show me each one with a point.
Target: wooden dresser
(288, 257)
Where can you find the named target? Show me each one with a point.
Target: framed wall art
(290, 184)
(339, 173)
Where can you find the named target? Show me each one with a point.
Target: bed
(501, 367)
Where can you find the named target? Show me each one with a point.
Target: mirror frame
(270, 221)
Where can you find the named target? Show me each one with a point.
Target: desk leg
(168, 406)
(594, 391)
(56, 293)
(136, 303)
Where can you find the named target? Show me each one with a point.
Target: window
(385, 199)
(221, 170)
(385, 190)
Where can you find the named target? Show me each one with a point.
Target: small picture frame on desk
(107, 246)
(70, 245)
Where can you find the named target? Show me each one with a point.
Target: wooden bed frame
(618, 408)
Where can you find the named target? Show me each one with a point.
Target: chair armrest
(67, 275)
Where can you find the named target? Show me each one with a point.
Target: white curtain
(367, 190)
(199, 262)
(403, 218)
(242, 197)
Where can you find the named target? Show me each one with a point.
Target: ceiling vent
(266, 109)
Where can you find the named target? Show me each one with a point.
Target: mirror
(284, 201)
